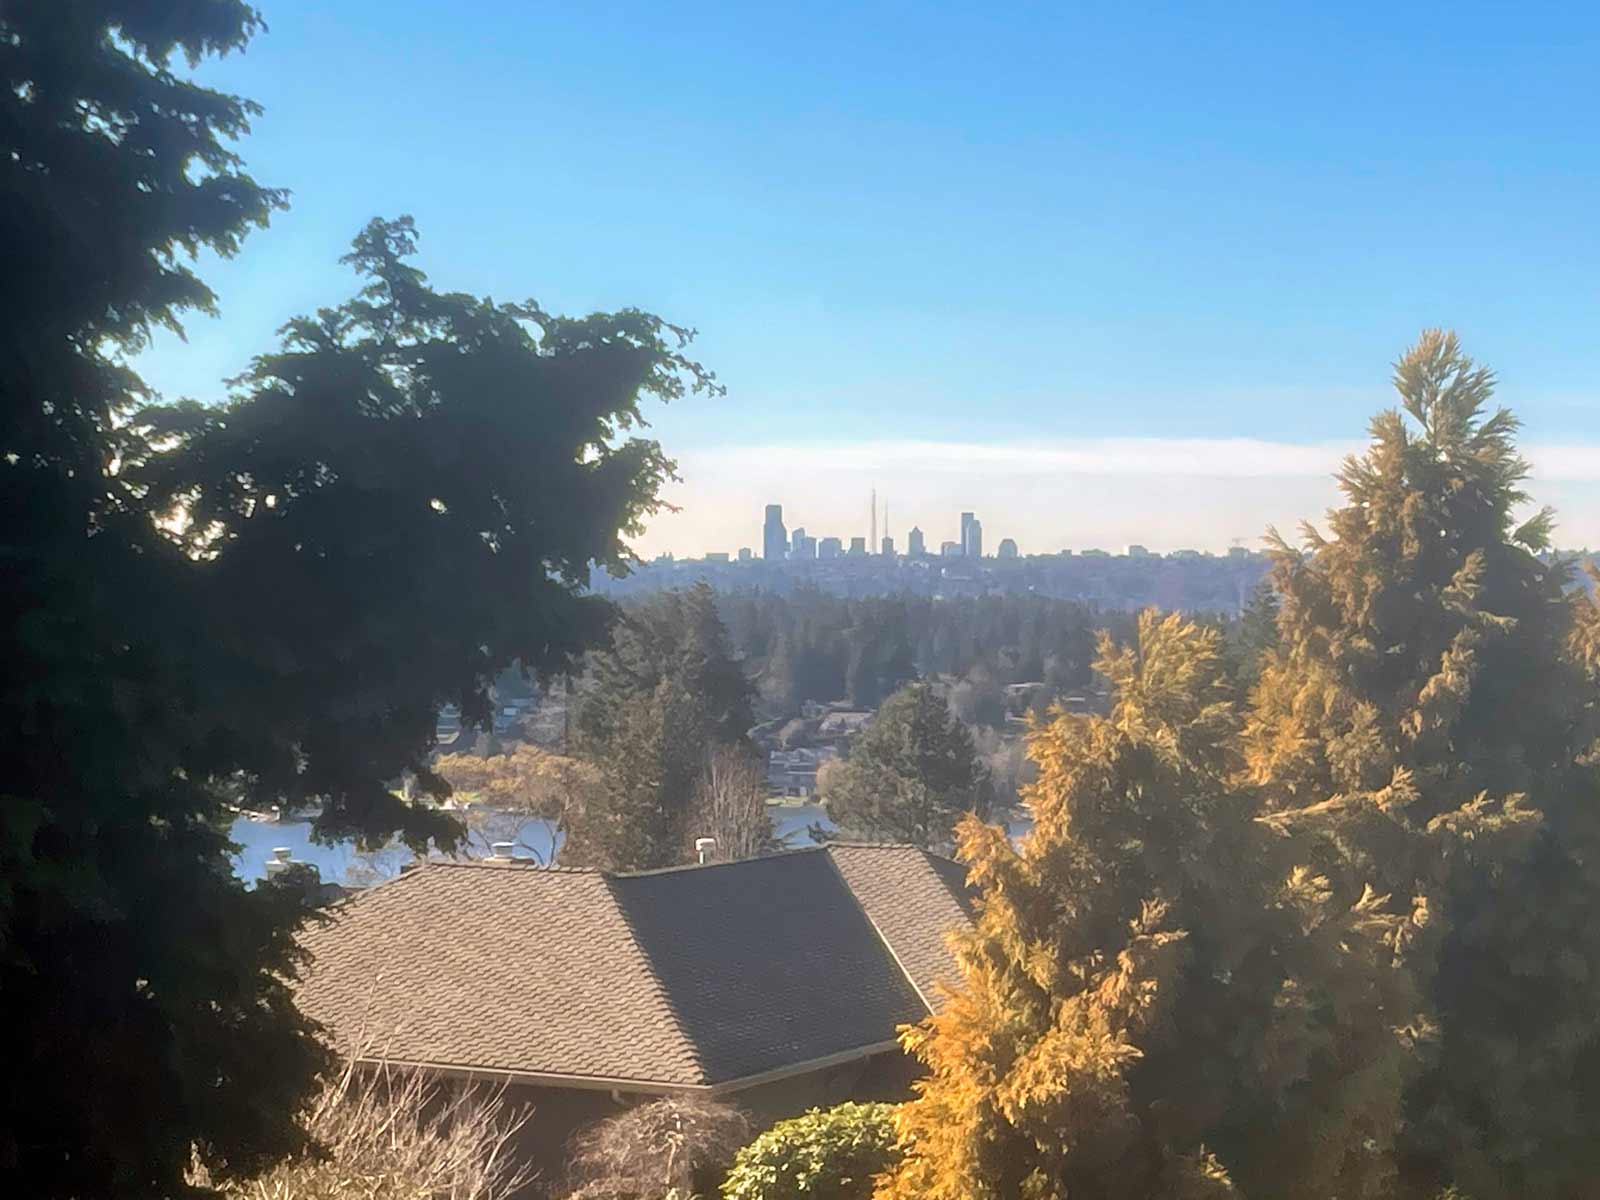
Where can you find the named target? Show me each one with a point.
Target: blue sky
(1097, 246)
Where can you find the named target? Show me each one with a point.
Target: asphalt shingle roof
(498, 968)
(915, 899)
(690, 977)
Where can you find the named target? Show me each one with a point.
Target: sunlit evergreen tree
(1155, 1002)
(1426, 721)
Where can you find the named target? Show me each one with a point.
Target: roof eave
(655, 1087)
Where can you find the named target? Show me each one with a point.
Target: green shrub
(831, 1154)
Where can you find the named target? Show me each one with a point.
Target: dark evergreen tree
(911, 775)
(663, 695)
(1251, 637)
(266, 600)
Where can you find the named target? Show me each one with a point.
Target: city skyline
(1167, 494)
(780, 542)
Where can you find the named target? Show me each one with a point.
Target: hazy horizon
(1165, 494)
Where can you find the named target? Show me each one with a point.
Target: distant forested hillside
(812, 645)
(1183, 581)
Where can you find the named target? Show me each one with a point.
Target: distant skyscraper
(796, 540)
(807, 549)
(1008, 548)
(745, 554)
(950, 549)
(966, 528)
(858, 548)
(916, 546)
(886, 548)
(829, 548)
(972, 543)
(774, 540)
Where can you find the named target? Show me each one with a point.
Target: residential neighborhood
(780, 984)
(876, 601)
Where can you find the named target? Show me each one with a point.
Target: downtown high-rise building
(972, 538)
(774, 539)
(916, 544)
(966, 527)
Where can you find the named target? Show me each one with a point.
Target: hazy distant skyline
(919, 241)
(1166, 494)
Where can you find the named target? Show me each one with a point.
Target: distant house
(1022, 696)
(844, 723)
(447, 727)
(778, 983)
(794, 772)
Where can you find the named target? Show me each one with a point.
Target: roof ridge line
(679, 1025)
(354, 895)
(883, 939)
(719, 864)
(847, 844)
(487, 864)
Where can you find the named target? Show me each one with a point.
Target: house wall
(885, 1076)
(559, 1113)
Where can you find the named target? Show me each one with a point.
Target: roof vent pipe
(503, 850)
(703, 848)
(279, 862)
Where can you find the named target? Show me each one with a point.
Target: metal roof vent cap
(502, 851)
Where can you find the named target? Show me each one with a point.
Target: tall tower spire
(872, 542)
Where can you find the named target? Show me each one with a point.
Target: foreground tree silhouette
(268, 598)
(1426, 718)
(1154, 999)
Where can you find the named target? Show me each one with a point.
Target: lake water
(340, 862)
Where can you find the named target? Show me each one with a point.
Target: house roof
(694, 977)
(914, 899)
